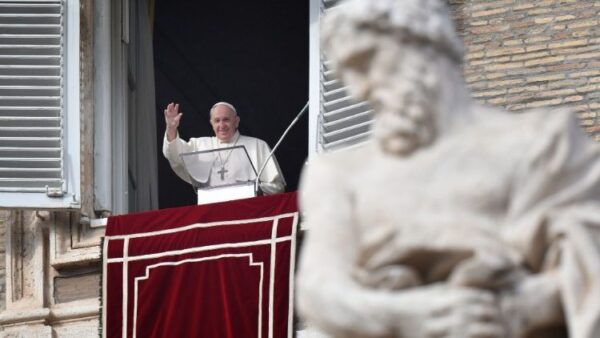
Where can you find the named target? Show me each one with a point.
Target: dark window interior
(253, 54)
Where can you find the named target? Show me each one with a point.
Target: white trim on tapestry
(204, 225)
(197, 249)
(104, 287)
(260, 297)
(291, 277)
(125, 293)
(272, 274)
(196, 260)
(273, 241)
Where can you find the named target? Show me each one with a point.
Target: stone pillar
(26, 311)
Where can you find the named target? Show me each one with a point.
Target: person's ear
(237, 122)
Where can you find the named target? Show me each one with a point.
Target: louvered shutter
(343, 122)
(33, 106)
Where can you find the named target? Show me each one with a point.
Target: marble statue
(456, 220)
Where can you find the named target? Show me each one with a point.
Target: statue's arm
(532, 304)
(327, 296)
(554, 219)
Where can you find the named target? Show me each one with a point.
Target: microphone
(262, 168)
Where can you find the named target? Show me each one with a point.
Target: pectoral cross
(222, 172)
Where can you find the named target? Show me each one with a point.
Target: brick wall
(529, 54)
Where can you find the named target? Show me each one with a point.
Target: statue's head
(390, 52)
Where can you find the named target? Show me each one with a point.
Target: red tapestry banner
(220, 270)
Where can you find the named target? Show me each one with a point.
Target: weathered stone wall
(3, 219)
(527, 54)
(49, 260)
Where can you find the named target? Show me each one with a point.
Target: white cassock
(271, 179)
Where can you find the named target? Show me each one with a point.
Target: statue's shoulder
(550, 119)
(536, 123)
(340, 163)
(537, 136)
(552, 124)
(332, 173)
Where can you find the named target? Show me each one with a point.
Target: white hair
(223, 103)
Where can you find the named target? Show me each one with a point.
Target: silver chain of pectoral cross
(222, 171)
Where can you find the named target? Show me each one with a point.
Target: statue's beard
(398, 134)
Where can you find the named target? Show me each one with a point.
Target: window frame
(70, 198)
(336, 120)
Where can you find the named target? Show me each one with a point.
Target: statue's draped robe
(524, 189)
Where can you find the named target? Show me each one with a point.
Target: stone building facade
(49, 260)
(519, 55)
(50, 268)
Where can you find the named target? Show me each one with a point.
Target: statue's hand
(442, 311)
(532, 303)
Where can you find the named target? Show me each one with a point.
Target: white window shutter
(341, 121)
(39, 109)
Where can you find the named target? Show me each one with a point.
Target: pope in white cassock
(228, 165)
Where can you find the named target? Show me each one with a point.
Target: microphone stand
(262, 168)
